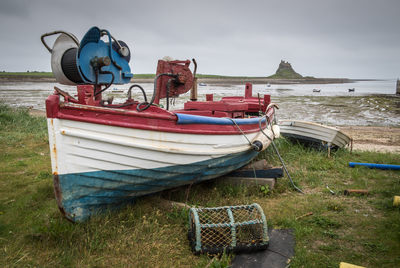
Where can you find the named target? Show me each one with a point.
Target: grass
(286, 74)
(363, 230)
(27, 74)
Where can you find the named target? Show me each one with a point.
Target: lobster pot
(229, 229)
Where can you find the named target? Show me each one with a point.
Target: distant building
(285, 70)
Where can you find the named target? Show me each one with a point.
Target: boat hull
(96, 166)
(313, 133)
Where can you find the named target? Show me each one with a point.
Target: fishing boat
(116, 90)
(314, 134)
(106, 154)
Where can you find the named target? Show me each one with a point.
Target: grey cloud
(10, 8)
(358, 38)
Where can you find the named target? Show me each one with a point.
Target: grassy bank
(27, 74)
(363, 230)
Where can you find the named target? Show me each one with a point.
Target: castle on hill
(285, 70)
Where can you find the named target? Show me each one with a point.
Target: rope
(280, 158)
(241, 131)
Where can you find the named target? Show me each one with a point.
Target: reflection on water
(372, 102)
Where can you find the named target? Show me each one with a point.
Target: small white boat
(117, 90)
(202, 84)
(313, 133)
(268, 85)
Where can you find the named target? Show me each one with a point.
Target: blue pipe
(378, 166)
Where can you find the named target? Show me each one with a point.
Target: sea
(372, 103)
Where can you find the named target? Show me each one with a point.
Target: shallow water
(372, 102)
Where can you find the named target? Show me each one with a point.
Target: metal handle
(57, 32)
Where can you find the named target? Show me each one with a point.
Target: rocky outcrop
(285, 70)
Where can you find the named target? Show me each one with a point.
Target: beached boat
(352, 89)
(314, 134)
(104, 154)
(316, 90)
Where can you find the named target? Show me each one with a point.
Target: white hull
(314, 131)
(78, 147)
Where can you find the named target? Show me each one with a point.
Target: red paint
(255, 104)
(182, 83)
(215, 106)
(248, 92)
(267, 100)
(52, 106)
(156, 118)
(209, 97)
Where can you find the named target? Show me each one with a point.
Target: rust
(170, 116)
(355, 191)
(67, 97)
(55, 156)
(58, 195)
(304, 215)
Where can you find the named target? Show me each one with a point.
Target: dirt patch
(35, 112)
(380, 139)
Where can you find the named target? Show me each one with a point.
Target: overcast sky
(333, 38)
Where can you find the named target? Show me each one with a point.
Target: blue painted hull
(80, 195)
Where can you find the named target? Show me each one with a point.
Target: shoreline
(218, 81)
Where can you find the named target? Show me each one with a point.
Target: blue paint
(85, 194)
(90, 47)
(198, 119)
(378, 166)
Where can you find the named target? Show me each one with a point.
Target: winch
(91, 61)
(100, 64)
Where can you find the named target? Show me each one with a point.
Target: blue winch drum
(228, 229)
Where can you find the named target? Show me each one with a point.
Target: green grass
(363, 230)
(27, 74)
(286, 74)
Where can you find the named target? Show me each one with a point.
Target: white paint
(85, 147)
(331, 135)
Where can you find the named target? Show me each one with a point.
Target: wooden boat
(314, 134)
(117, 90)
(104, 154)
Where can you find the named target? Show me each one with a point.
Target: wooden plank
(248, 181)
(258, 173)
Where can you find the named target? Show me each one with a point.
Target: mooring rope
(241, 131)
(280, 158)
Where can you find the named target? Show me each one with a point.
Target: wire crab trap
(229, 229)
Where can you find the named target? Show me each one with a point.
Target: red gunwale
(154, 118)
